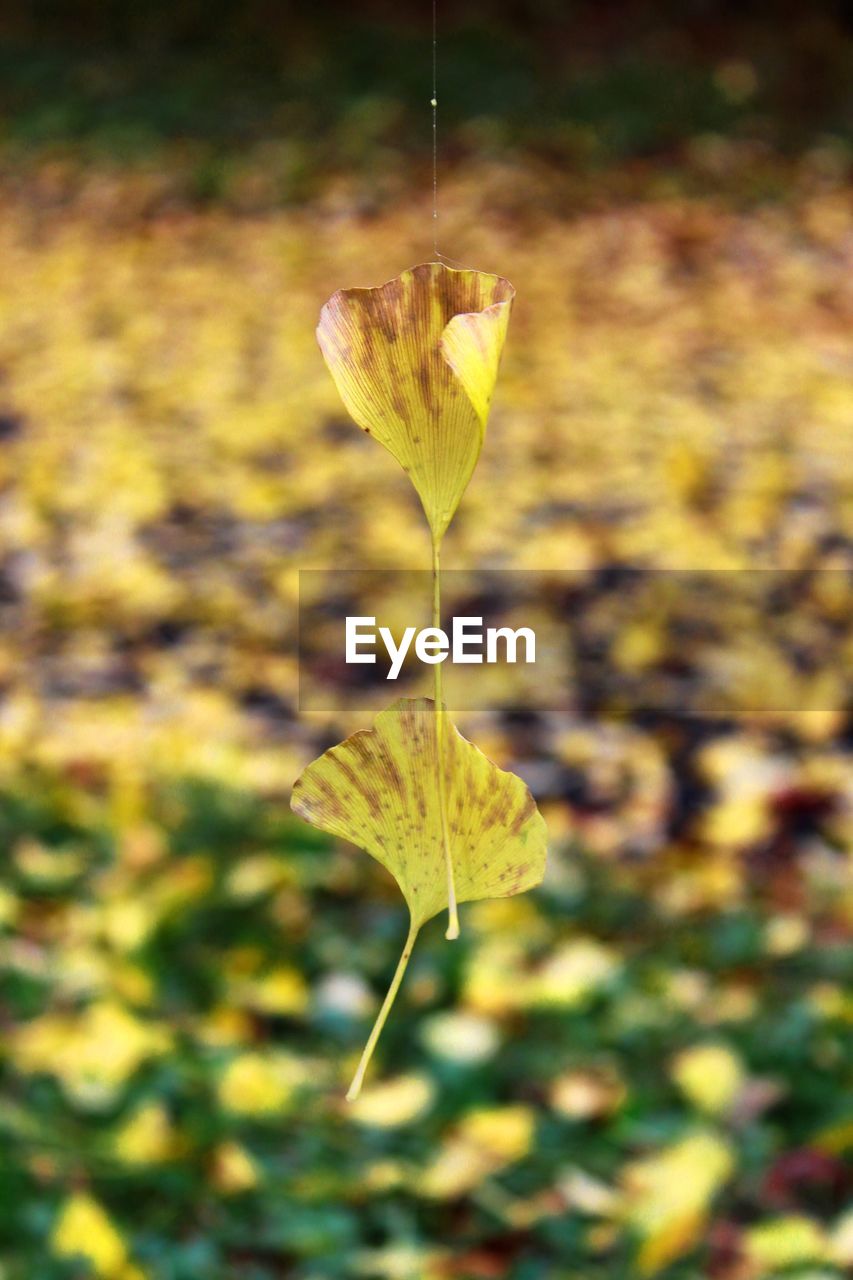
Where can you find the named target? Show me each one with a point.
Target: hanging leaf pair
(416, 362)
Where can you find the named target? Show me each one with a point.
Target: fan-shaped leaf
(380, 790)
(415, 362)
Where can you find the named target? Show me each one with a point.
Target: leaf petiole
(452, 910)
(358, 1079)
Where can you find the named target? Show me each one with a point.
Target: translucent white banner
(718, 644)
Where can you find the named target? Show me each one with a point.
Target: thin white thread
(434, 105)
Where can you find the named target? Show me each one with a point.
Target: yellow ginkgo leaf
(84, 1230)
(710, 1076)
(381, 790)
(415, 362)
(485, 1141)
(667, 1196)
(395, 1102)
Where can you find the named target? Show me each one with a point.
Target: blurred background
(642, 1068)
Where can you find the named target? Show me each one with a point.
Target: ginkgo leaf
(667, 1196)
(415, 362)
(380, 790)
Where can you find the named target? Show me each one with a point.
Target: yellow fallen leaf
(584, 1094)
(258, 1084)
(282, 993)
(401, 1262)
(573, 973)
(93, 1053)
(709, 1075)
(736, 821)
(495, 981)
(147, 1137)
(785, 934)
(8, 907)
(842, 1240)
(234, 1170)
(484, 1142)
(462, 1037)
(786, 1242)
(587, 1194)
(667, 1196)
(382, 789)
(394, 1102)
(85, 1230)
(52, 866)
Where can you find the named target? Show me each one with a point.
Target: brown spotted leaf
(415, 362)
(380, 790)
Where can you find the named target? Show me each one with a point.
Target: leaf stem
(358, 1079)
(452, 910)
